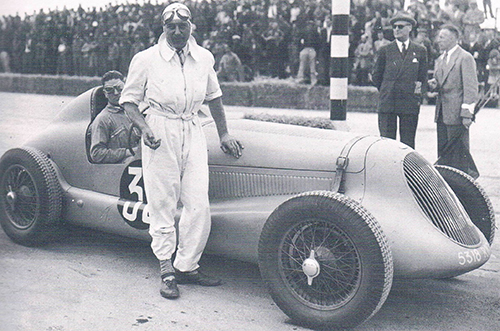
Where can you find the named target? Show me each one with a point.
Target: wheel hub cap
(11, 199)
(311, 268)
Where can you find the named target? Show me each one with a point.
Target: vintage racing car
(329, 216)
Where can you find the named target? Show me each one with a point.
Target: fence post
(339, 59)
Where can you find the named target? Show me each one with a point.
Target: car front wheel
(325, 260)
(30, 196)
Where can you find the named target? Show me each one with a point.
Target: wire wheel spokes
(21, 196)
(338, 261)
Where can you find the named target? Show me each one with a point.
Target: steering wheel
(129, 140)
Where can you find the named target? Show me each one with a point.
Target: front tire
(326, 260)
(474, 199)
(30, 197)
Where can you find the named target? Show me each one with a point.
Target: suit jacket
(395, 78)
(457, 84)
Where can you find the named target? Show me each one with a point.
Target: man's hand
(466, 121)
(418, 88)
(132, 111)
(432, 84)
(230, 145)
(149, 139)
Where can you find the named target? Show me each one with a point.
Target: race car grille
(231, 184)
(437, 201)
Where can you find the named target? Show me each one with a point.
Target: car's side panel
(65, 145)
(98, 211)
(236, 223)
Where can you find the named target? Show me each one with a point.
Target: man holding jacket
(400, 75)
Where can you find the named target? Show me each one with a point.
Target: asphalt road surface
(94, 281)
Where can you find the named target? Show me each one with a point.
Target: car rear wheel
(326, 260)
(30, 196)
(473, 198)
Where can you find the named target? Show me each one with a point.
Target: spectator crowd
(249, 38)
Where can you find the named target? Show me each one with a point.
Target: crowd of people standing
(276, 38)
(369, 35)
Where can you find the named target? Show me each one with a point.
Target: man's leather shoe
(196, 277)
(169, 289)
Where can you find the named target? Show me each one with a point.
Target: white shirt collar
(167, 51)
(453, 49)
(400, 44)
(449, 52)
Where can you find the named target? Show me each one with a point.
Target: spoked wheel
(325, 260)
(474, 199)
(326, 257)
(23, 201)
(30, 196)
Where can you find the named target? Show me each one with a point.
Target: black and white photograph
(245, 165)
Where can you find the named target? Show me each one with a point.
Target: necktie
(403, 49)
(445, 57)
(180, 52)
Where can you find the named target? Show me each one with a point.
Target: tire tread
(50, 194)
(322, 200)
(450, 173)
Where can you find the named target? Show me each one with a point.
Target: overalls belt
(157, 109)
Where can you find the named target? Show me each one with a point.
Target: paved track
(93, 281)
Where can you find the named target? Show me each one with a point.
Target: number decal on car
(133, 203)
(473, 256)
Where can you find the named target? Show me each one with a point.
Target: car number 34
(132, 204)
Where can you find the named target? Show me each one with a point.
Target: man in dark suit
(456, 81)
(400, 75)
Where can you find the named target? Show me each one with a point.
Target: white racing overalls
(178, 169)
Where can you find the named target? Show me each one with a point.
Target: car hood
(279, 146)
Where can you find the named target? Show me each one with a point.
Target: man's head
(494, 54)
(380, 34)
(448, 37)
(225, 47)
(490, 33)
(402, 24)
(176, 19)
(112, 85)
(422, 32)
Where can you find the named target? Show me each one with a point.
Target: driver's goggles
(183, 13)
(111, 89)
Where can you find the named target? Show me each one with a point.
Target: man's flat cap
(402, 16)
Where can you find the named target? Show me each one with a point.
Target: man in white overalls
(175, 77)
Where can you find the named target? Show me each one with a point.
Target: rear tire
(332, 235)
(473, 198)
(30, 197)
